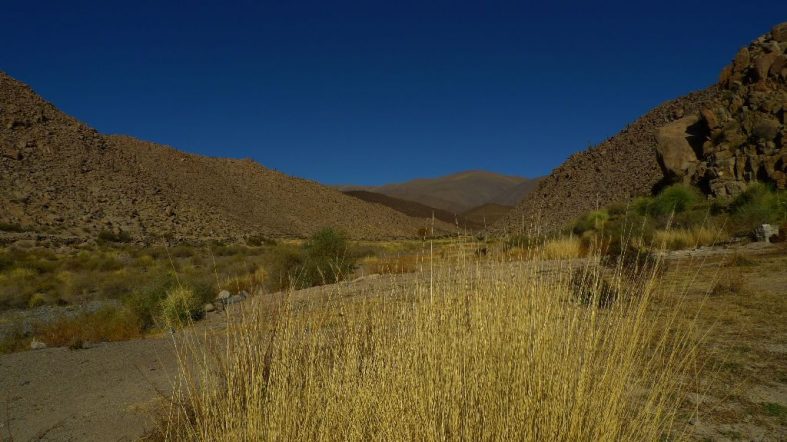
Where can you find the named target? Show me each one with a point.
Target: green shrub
(594, 220)
(37, 300)
(145, 301)
(283, 264)
(641, 205)
(179, 306)
(327, 258)
(676, 198)
(759, 204)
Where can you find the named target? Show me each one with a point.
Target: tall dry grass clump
(471, 351)
(561, 248)
(681, 238)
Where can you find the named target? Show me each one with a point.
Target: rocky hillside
(741, 137)
(59, 177)
(454, 193)
(718, 138)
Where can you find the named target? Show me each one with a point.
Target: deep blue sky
(372, 92)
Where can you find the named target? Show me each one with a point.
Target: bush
(676, 239)
(327, 258)
(145, 302)
(676, 198)
(561, 248)
(179, 306)
(759, 204)
(37, 300)
(104, 325)
(283, 263)
(641, 205)
(594, 220)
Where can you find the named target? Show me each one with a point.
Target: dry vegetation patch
(472, 351)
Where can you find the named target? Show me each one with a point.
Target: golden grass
(472, 351)
(105, 325)
(564, 247)
(393, 264)
(561, 248)
(676, 239)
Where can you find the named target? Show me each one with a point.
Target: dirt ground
(112, 391)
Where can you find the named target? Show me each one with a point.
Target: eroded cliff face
(741, 137)
(719, 139)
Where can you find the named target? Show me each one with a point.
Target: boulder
(766, 128)
(779, 32)
(763, 64)
(240, 297)
(674, 149)
(778, 64)
(207, 308)
(223, 295)
(710, 118)
(764, 232)
(741, 62)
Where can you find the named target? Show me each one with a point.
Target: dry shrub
(180, 306)
(461, 354)
(393, 264)
(591, 286)
(249, 282)
(677, 239)
(561, 248)
(738, 260)
(105, 325)
(730, 283)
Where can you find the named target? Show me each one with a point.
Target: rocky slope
(59, 177)
(741, 137)
(719, 138)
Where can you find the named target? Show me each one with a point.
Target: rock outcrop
(741, 137)
(719, 139)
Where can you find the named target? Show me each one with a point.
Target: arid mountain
(719, 139)
(412, 208)
(59, 177)
(487, 214)
(454, 193)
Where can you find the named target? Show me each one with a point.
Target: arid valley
(633, 290)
